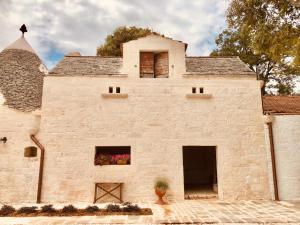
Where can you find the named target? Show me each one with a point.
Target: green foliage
(6, 210)
(112, 45)
(265, 35)
(113, 208)
(48, 209)
(69, 209)
(92, 209)
(161, 184)
(129, 207)
(27, 210)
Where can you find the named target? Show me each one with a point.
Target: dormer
(154, 56)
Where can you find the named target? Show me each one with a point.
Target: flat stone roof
(97, 66)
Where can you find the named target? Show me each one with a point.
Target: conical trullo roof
(21, 76)
(21, 44)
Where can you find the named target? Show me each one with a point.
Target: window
(194, 90)
(112, 155)
(154, 64)
(111, 90)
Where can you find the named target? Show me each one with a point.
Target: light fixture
(3, 139)
(30, 151)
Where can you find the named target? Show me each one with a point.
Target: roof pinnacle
(23, 29)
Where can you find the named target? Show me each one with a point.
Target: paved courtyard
(188, 212)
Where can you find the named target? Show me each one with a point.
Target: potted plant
(102, 159)
(120, 159)
(161, 186)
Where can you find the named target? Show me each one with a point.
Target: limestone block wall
(18, 175)
(156, 120)
(286, 133)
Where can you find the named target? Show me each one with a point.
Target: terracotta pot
(160, 193)
(122, 162)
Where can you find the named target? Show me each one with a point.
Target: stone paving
(188, 212)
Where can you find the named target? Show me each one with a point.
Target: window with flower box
(112, 155)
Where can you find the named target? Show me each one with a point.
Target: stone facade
(155, 117)
(18, 175)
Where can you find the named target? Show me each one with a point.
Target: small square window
(110, 90)
(193, 90)
(201, 90)
(118, 90)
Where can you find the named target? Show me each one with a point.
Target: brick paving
(188, 212)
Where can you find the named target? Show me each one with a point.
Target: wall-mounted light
(30, 151)
(3, 139)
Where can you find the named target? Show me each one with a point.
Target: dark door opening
(200, 171)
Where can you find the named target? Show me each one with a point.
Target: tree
(112, 45)
(265, 35)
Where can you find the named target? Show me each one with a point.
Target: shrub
(113, 208)
(131, 208)
(27, 210)
(69, 209)
(91, 209)
(6, 210)
(48, 209)
(161, 184)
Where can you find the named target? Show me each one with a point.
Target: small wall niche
(201, 90)
(198, 93)
(112, 155)
(116, 94)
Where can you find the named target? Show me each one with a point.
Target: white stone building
(195, 121)
(284, 114)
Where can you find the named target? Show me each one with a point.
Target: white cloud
(82, 25)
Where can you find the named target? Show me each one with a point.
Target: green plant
(69, 209)
(129, 207)
(27, 210)
(6, 210)
(48, 209)
(161, 184)
(113, 208)
(91, 209)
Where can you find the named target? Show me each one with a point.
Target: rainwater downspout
(33, 132)
(41, 169)
(273, 158)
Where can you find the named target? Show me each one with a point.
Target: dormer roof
(156, 35)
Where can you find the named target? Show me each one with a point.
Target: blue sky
(56, 27)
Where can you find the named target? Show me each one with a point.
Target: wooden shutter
(161, 62)
(147, 64)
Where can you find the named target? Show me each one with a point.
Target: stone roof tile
(96, 66)
(21, 79)
(230, 65)
(87, 66)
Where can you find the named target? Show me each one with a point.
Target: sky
(56, 27)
